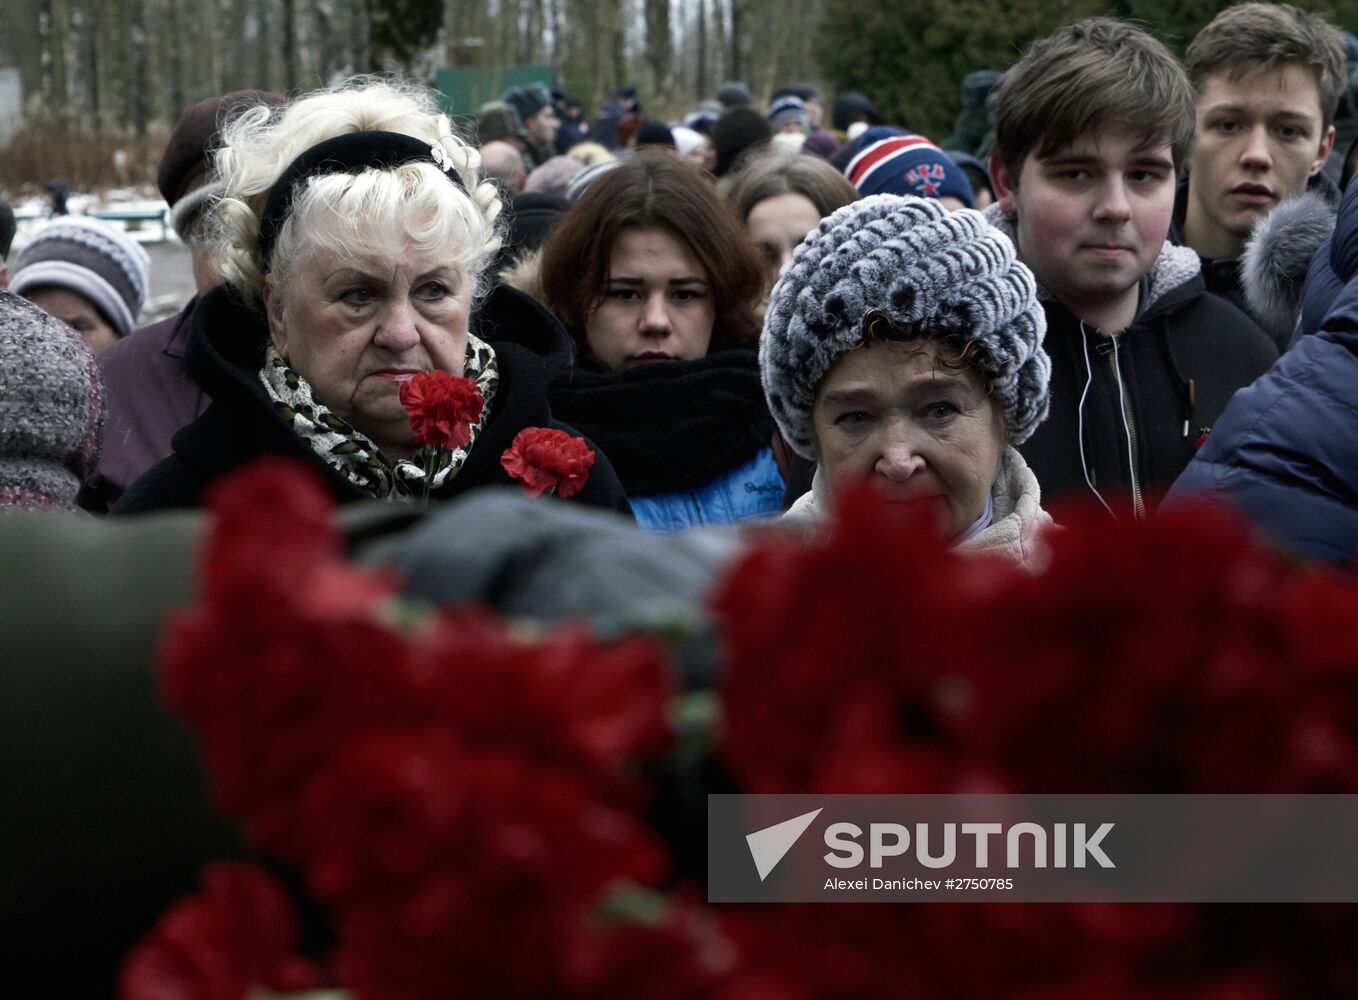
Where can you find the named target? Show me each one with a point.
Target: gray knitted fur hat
(92, 259)
(948, 273)
(51, 408)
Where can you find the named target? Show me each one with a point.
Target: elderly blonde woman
(355, 233)
(903, 346)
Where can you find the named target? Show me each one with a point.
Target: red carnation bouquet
(545, 460)
(237, 936)
(1176, 656)
(442, 409)
(472, 804)
(443, 786)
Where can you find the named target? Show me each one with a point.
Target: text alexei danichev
(851, 884)
(914, 884)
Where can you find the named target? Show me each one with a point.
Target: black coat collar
(673, 425)
(225, 351)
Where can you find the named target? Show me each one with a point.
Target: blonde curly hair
(387, 212)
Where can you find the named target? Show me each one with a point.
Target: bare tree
(617, 48)
(704, 78)
(111, 65)
(658, 45)
(137, 92)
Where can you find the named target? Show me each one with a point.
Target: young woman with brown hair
(657, 283)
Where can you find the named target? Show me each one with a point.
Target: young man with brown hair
(1267, 79)
(1092, 127)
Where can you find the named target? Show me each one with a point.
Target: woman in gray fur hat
(903, 345)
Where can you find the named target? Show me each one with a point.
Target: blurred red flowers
(1175, 656)
(471, 806)
(442, 789)
(544, 460)
(442, 408)
(237, 936)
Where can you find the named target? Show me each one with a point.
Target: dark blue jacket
(1285, 451)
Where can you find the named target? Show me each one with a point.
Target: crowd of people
(1124, 278)
(651, 286)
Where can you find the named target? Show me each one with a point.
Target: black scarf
(672, 425)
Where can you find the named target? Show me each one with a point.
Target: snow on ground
(171, 283)
(171, 280)
(31, 212)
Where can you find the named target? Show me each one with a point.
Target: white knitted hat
(90, 258)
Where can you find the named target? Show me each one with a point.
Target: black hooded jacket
(226, 348)
(1223, 275)
(1127, 422)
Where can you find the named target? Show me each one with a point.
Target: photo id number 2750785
(978, 883)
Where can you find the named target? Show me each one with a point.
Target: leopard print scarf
(350, 452)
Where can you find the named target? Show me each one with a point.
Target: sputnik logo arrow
(767, 846)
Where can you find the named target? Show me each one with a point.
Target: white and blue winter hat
(92, 259)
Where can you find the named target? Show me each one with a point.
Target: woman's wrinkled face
(657, 302)
(75, 311)
(888, 412)
(356, 327)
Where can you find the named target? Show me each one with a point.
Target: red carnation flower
(544, 459)
(432, 854)
(272, 524)
(237, 935)
(442, 408)
(599, 707)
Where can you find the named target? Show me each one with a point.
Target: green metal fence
(465, 90)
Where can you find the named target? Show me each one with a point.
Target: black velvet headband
(350, 153)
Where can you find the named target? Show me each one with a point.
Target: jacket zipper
(1134, 456)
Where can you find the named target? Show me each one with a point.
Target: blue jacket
(692, 440)
(1285, 451)
(754, 489)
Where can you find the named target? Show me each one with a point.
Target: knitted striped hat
(948, 274)
(51, 408)
(787, 109)
(909, 165)
(92, 259)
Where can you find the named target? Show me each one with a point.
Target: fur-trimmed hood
(525, 275)
(1174, 267)
(1277, 255)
